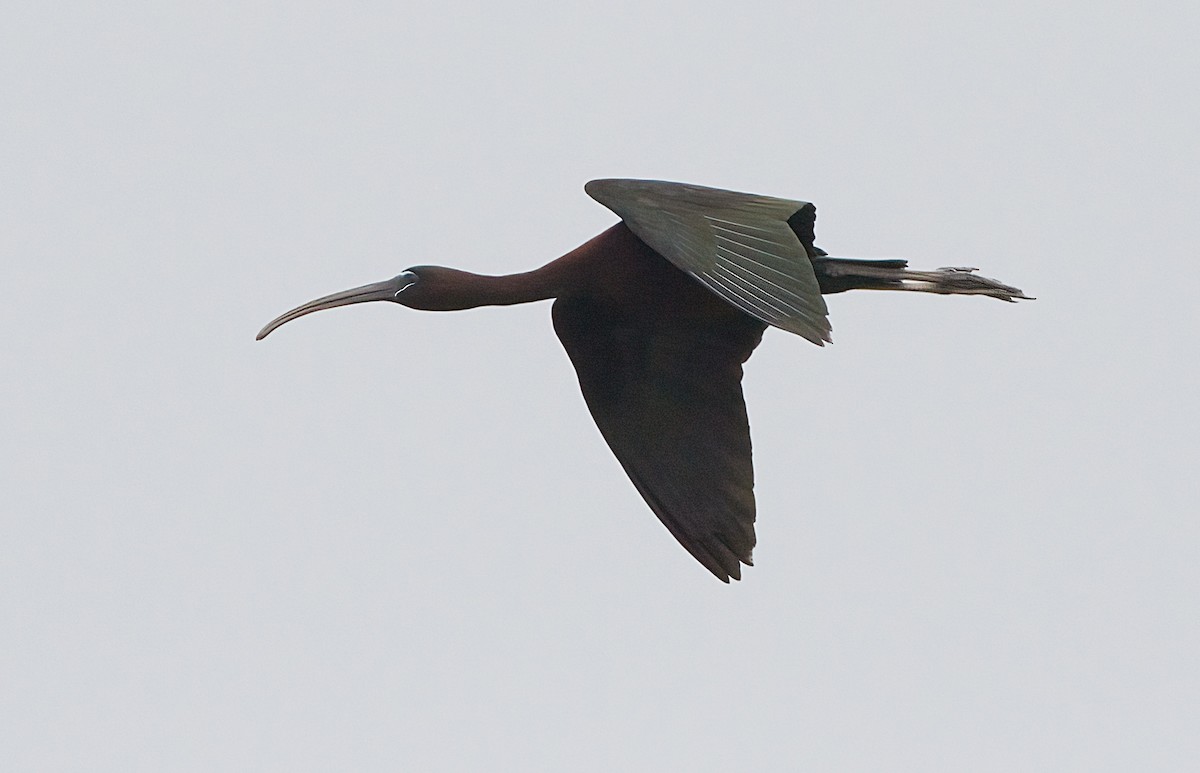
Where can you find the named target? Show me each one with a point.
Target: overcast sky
(391, 540)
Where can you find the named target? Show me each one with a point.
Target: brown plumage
(659, 360)
(658, 334)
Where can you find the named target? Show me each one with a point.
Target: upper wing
(739, 245)
(665, 391)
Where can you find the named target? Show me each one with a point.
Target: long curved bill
(386, 290)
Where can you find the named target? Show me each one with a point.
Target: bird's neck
(449, 289)
(511, 289)
(601, 259)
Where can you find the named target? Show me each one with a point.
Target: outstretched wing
(738, 245)
(665, 391)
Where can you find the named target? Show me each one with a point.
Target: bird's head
(415, 287)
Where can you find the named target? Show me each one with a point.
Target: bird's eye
(406, 280)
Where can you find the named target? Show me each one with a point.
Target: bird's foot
(961, 280)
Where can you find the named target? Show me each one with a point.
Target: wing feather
(665, 391)
(739, 245)
(779, 310)
(739, 297)
(767, 283)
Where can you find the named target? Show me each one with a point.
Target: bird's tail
(837, 275)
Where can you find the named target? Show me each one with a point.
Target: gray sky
(387, 540)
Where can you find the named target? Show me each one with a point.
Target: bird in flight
(658, 314)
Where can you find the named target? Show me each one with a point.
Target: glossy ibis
(657, 314)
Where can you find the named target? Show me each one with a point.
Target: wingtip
(820, 339)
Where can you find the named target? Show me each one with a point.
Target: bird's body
(658, 314)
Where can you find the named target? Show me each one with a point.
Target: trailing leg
(837, 275)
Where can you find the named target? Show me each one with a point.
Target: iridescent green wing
(738, 245)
